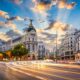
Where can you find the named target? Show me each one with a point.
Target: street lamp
(56, 45)
(22, 46)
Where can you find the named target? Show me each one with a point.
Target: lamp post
(56, 45)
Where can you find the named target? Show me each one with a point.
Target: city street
(38, 70)
(39, 39)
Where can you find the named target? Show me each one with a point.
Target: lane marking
(35, 76)
(63, 65)
(46, 73)
(59, 70)
(64, 71)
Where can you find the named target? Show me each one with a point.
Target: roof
(2, 42)
(30, 28)
(17, 39)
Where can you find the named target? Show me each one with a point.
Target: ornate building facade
(77, 46)
(67, 47)
(41, 50)
(29, 39)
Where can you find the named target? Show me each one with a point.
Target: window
(71, 41)
(33, 47)
(32, 39)
(29, 39)
(29, 47)
(71, 52)
(32, 34)
(71, 45)
(66, 53)
(39, 46)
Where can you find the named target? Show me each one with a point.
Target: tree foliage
(19, 50)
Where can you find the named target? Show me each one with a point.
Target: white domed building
(30, 40)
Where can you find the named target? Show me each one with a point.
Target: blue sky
(41, 11)
(23, 10)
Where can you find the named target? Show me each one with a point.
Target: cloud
(70, 6)
(40, 6)
(40, 21)
(13, 33)
(57, 25)
(4, 14)
(2, 24)
(47, 37)
(18, 32)
(59, 29)
(39, 31)
(15, 18)
(9, 25)
(50, 25)
(4, 37)
(63, 4)
(17, 1)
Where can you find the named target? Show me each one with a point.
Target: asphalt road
(38, 70)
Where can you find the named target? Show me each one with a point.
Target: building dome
(31, 27)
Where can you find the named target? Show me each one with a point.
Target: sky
(48, 16)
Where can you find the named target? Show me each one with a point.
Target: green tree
(19, 51)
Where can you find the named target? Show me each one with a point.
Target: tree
(9, 53)
(3, 54)
(19, 51)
